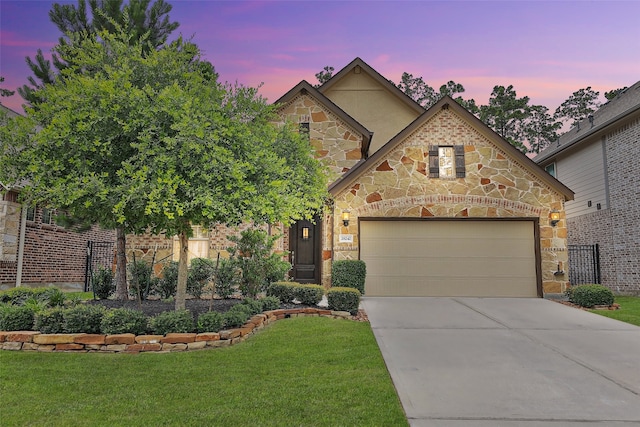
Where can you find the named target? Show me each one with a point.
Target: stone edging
(130, 343)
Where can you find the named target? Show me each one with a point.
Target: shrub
(284, 291)
(270, 303)
(590, 295)
(141, 281)
(254, 257)
(211, 321)
(123, 321)
(254, 305)
(15, 318)
(83, 318)
(200, 274)
(226, 279)
(344, 299)
(54, 297)
(309, 294)
(18, 296)
(50, 321)
(236, 316)
(349, 274)
(103, 283)
(179, 321)
(167, 286)
(35, 304)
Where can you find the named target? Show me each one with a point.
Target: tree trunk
(121, 264)
(181, 290)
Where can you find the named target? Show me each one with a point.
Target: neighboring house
(433, 201)
(34, 251)
(598, 159)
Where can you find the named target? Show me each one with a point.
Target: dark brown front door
(304, 248)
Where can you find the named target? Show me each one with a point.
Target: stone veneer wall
(496, 186)
(53, 256)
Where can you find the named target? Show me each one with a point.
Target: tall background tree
(578, 106)
(5, 92)
(324, 75)
(150, 141)
(138, 18)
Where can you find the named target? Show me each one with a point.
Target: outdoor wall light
(345, 218)
(554, 217)
(305, 233)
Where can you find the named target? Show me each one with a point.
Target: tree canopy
(137, 17)
(149, 140)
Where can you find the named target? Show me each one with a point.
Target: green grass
(82, 295)
(629, 310)
(296, 372)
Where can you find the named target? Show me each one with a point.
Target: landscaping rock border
(131, 344)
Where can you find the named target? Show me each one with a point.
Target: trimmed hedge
(50, 321)
(16, 318)
(83, 318)
(255, 306)
(103, 283)
(211, 321)
(349, 274)
(590, 295)
(270, 303)
(309, 294)
(124, 321)
(237, 316)
(179, 321)
(284, 291)
(344, 299)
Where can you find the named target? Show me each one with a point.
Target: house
(34, 250)
(598, 159)
(433, 201)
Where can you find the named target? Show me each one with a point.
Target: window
(551, 169)
(304, 129)
(47, 216)
(31, 213)
(446, 161)
(198, 244)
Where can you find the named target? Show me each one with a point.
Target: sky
(545, 49)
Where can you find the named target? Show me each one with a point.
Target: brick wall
(53, 255)
(623, 152)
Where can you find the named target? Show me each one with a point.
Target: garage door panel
(449, 258)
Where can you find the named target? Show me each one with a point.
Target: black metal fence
(584, 264)
(99, 254)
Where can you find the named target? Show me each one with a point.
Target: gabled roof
(447, 102)
(619, 108)
(376, 76)
(305, 88)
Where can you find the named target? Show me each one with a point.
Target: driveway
(500, 362)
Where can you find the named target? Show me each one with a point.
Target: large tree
(578, 106)
(539, 128)
(324, 75)
(505, 114)
(138, 17)
(149, 141)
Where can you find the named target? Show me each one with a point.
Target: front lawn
(301, 371)
(629, 310)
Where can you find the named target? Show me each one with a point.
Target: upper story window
(304, 129)
(31, 213)
(551, 169)
(47, 216)
(446, 161)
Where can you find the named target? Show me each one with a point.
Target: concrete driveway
(500, 362)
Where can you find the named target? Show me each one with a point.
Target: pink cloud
(12, 39)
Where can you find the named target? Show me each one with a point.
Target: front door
(304, 247)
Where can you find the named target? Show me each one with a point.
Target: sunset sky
(546, 50)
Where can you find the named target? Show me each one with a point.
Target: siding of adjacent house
(584, 173)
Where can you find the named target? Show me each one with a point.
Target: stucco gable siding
(367, 101)
(584, 173)
(336, 144)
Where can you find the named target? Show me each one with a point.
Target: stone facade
(496, 186)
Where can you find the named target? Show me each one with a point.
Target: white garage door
(449, 258)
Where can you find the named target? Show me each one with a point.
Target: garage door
(449, 258)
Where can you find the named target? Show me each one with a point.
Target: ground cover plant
(628, 312)
(301, 371)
